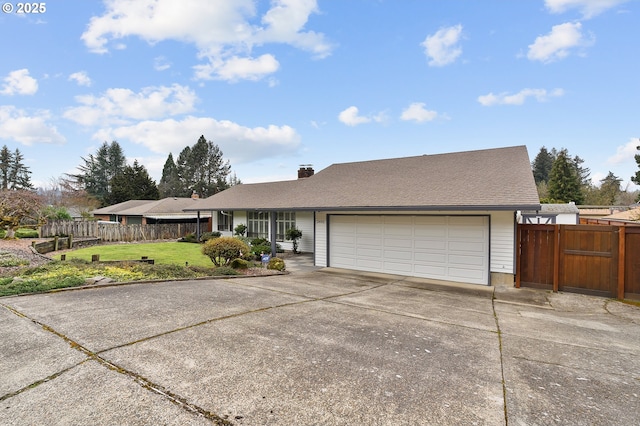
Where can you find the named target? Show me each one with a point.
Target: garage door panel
(438, 272)
(344, 239)
(467, 233)
(466, 260)
(454, 248)
(466, 246)
(369, 252)
(430, 244)
(464, 274)
(399, 255)
(398, 242)
(435, 258)
(369, 265)
(430, 231)
(398, 267)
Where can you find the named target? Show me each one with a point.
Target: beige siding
(304, 222)
(502, 242)
(321, 239)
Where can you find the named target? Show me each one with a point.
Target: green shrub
(225, 270)
(206, 236)
(257, 250)
(260, 242)
(276, 263)
(239, 264)
(26, 233)
(293, 234)
(189, 238)
(240, 229)
(223, 250)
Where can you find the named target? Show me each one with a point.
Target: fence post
(55, 243)
(70, 242)
(622, 234)
(556, 257)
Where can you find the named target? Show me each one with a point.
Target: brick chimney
(195, 195)
(305, 171)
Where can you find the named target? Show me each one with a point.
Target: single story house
(166, 210)
(448, 217)
(561, 214)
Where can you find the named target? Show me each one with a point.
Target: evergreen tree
(169, 185)
(20, 174)
(133, 183)
(5, 168)
(541, 165)
(202, 169)
(564, 181)
(14, 174)
(636, 178)
(610, 189)
(98, 170)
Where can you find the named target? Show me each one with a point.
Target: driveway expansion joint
(140, 380)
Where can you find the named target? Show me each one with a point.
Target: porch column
(198, 226)
(272, 232)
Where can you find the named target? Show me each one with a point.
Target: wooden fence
(115, 232)
(593, 259)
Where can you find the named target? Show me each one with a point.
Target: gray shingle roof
(166, 206)
(498, 178)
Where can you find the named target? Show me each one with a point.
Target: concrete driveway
(313, 348)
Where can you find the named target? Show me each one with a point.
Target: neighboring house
(561, 214)
(631, 216)
(167, 210)
(447, 216)
(597, 212)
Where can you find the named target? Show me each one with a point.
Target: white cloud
(235, 68)
(16, 124)
(442, 47)
(350, 117)
(19, 82)
(541, 95)
(417, 112)
(625, 152)
(81, 78)
(588, 8)
(558, 43)
(222, 30)
(239, 144)
(121, 105)
(160, 63)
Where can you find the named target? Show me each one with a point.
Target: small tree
(294, 234)
(240, 229)
(19, 208)
(223, 250)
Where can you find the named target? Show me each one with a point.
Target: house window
(225, 221)
(284, 221)
(258, 225)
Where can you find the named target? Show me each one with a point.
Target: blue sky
(281, 83)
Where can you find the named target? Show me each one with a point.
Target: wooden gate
(592, 259)
(589, 260)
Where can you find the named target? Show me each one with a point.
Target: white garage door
(452, 248)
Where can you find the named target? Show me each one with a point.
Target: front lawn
(167, 253)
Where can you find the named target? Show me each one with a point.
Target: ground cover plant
(74, 273)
